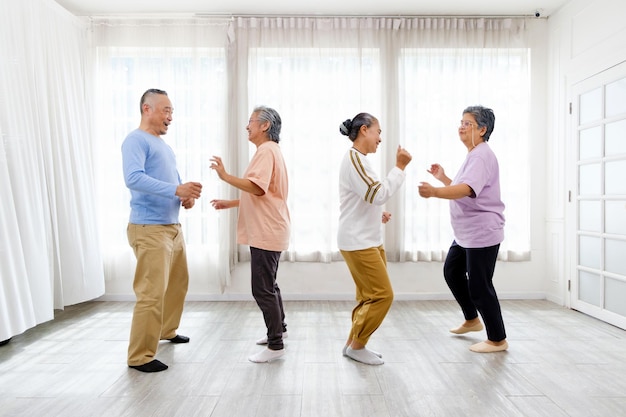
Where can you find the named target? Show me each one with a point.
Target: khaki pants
(374, 294)
(160, 285)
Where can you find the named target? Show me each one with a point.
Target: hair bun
(346, 127)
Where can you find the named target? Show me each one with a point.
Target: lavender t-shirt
(478, 222)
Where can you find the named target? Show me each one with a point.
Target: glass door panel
(590, 179)
(589, 288)
(590, 216)
(616, 98)
(615, 257)
(590, 143)
(615, 138)
(591, 106)
(615, 178)
(590, 255)
(615, 217)
(615, 296)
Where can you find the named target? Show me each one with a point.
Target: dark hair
(148, 93)
(484, 118)
(267, 114)
(350, 128)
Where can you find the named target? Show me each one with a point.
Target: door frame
(600, 79)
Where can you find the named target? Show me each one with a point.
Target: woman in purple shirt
(476, 213)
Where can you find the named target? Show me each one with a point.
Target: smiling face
(369, 138)
(157, 114)
(257, 129)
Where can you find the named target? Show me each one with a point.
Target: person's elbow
(132, 179)
(381, 199)
(459, 191)
(256, 190)
(129, 181)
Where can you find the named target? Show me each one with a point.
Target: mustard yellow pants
(374, 294)
(160, 285)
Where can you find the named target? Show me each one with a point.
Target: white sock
(380, 355)
(364, 356)
(343, 351)
(266, 355)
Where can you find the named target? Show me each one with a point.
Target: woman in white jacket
(360, 240)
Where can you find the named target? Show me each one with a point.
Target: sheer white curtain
(187, 59)
(49, 252)
(416, 76)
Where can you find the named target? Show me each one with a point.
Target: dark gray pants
(264, 266)
(469, 275)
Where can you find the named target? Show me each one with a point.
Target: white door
(597, 218)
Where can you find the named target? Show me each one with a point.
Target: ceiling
(319, 7)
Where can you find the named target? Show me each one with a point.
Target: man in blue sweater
(154, 233)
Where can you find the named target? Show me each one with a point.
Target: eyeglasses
(466, 123)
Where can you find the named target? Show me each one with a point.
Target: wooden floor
(560, 363)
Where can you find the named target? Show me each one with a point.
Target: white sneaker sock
(343, 351)
(263, 340)
(266, 355)
(364, 356)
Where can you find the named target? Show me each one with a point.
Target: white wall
(422, 280)
(585, 38)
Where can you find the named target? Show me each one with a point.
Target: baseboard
(330, 297)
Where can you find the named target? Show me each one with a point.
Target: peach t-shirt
(264, 221)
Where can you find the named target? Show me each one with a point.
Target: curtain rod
(324, 16)
(319, 16)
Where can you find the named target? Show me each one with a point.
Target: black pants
(264, 266)
(469, 275)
